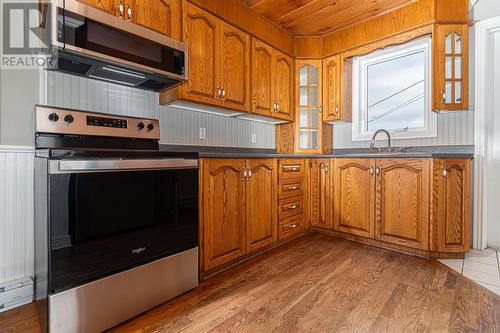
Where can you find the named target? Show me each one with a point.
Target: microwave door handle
(114, 165)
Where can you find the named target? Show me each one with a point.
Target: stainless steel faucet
(372, 144)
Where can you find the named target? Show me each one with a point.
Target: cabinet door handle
(249, 173)
(371, 171)
(443, 101)
(377, 171)
(223, 92)
(445, 173)
(218, 92)
(129, 13)
(337, 109)
(120, 8)
(326, 168)
(244, 175)
(277, 107)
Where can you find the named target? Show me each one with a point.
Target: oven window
(103, 223)
(84, 33)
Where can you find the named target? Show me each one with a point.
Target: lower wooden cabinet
(354, 192)
(451, 199)
(239, 208)
(321, 193)
(402, 202)
(261, 198)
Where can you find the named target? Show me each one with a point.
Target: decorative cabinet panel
(450, 67)
(201, 34)
(235, 68)
(263, 74)
(321, 193)
(163, 16)
(261, 196)
(309, 98)
(332, 76)
(354, 196)
(224, 218)
(114, 7)
(451, 205)
(402, 202)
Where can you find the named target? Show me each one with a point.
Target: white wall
(485, 9)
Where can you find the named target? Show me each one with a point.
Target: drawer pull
(292, 206)
(292, 187)
(293, 226)
(291, 168)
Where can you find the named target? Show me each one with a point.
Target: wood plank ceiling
(319, 17)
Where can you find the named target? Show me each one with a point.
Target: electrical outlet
(203, 133)
(254, 138)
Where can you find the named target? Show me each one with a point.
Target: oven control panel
(65, 121)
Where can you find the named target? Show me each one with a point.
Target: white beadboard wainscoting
(16, 212)
(454, 128)
(177, 126)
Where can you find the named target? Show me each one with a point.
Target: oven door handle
(114, 165)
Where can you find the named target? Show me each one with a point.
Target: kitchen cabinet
(163, 16)
(272, 82)
(201, 34)
(261, 199)
(451, 198)
(224, 215)
(321, 193)
(450, 75)
(354, 196)
(403, 202)
(109, 6)
(308, 129)
(239, 208)
(337, 82)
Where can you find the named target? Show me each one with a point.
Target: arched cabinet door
(201, 37)
(224, 217)
(261, 188)
(321, 193)
(354, 181)
(160, 15)
(402, 202)
(263, 71)
(284, 86)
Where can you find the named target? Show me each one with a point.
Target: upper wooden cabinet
(163, 16)
(235, 67)
(263, 69)
(224, 232)
(450, 67)
(272, 82)
(402, 202)
(451, 205)
(110, 6)
(321, 193)
(337, 74)
(354, 195)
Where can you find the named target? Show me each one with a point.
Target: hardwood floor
(321, 284)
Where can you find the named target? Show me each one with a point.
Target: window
(392, 90)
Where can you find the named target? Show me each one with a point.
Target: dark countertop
(410, 152)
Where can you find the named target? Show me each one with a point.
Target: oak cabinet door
(201, 34)
(451, 198)
(224, 236)
(261, 194)
(283, 86)
(321, 187)
(110, 6)
(354, 196)
(402, 202)
(450, 67)
(163, 16)
(235, 66)
(331, 89)
(262, 78)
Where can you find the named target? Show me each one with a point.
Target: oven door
(107, 216)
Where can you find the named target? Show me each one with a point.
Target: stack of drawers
(291, 196)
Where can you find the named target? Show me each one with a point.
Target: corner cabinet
(337, 73)
(239, 208)
(450, 67)
(321, 193)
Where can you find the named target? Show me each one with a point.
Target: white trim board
(484, 104)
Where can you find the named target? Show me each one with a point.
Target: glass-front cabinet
(450, 67)
(308, 125)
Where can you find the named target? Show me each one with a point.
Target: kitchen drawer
(290, 188)
(291, 226)
(291, 207)
(291, 168)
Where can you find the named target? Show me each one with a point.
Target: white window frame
(359, 96)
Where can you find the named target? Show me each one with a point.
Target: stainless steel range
(116, 229)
